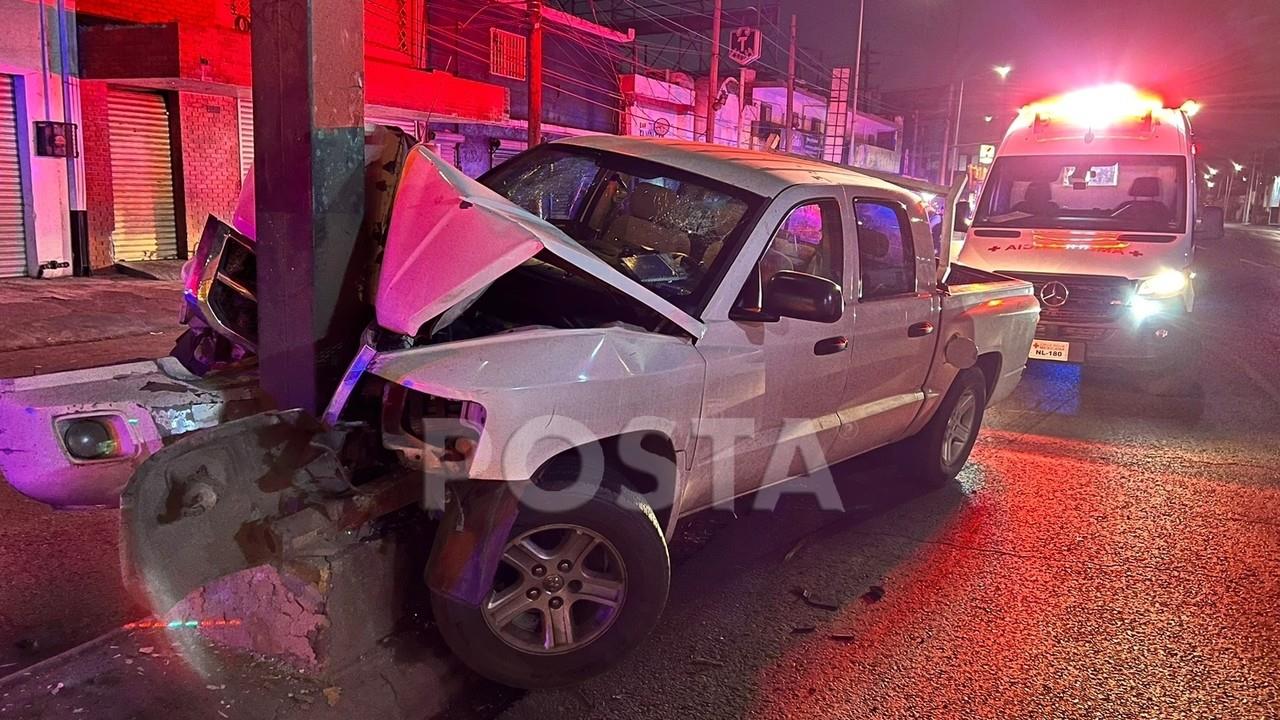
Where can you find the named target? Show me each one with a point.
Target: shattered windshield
(667, 229)
(1137, 193)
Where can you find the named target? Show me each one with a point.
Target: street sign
(986, 154)
(744, 45)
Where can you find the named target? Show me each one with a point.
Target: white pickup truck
(598, 338)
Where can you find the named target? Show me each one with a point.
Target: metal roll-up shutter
(508, 150)
(13, 226)
(409, 126)
(246, 136)
(446, 145)
(141, 176)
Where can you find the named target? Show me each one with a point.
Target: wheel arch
(644, 461)
(989, 365)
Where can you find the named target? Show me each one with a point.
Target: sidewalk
(146, 674)
(39, 313)
(108, 319)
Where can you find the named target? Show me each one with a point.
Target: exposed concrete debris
(279, 616)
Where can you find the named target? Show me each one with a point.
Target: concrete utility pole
(713, 78)
(944, 171)
(535, 72)
(955, 135)
(857, 79)
(308, 99)
(791, 89)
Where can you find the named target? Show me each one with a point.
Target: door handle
(831, 345)
(920, 329)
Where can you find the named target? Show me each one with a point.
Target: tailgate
(122, 413)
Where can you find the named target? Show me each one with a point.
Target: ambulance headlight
(1166, 284)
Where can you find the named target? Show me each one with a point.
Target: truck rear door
(895, 325)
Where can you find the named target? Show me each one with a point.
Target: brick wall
(96, 141)
(210, 158)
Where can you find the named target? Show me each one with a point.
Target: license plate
(1050, 350)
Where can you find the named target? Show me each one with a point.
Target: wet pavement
(1106, 554)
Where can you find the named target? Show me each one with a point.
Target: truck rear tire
(939, 452)
(575, 591)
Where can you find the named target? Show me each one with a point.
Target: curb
(67, 655)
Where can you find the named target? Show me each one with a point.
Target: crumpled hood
(1072, 252)
(450, 236)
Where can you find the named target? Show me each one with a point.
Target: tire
(504, 650)
(923, 455)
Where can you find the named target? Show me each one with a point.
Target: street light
(1238, 167)
(1212, 170)
(953, 136)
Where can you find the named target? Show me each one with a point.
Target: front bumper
(146, 403)
(1153, 343)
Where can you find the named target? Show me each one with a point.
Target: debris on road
(873, 595)
(842, 637)
(803, 629)
(795, 549)
(332, 695)
(809, 600)
(708, 661)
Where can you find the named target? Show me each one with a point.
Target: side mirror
(803, 297)
(1211, 221)
(962, 217)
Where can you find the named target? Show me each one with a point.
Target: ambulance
(1092, 199)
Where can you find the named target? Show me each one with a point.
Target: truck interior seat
(643, 224)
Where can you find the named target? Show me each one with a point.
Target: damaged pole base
(314, 615)
(253, 530)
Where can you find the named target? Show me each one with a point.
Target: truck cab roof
(762, 173)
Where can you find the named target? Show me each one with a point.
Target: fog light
(1142, 308)
(90, 440)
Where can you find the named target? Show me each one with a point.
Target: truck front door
(773, 387)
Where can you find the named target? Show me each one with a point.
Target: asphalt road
(1106, 554)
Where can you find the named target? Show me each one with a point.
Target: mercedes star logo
(1054, 294)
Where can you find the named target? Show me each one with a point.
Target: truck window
(886, 253)
(667, 229)
(1135, 193)
(807, 241)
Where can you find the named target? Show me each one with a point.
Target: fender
(477, 521)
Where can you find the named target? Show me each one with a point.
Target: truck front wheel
(575, 591)
(938, 452)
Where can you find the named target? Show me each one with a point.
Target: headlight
(90, 439)
(1166, 284)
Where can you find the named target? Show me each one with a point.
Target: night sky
(1225, 53)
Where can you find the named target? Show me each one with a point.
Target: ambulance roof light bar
(1095, 108)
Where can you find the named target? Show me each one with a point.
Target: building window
(507, 52)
